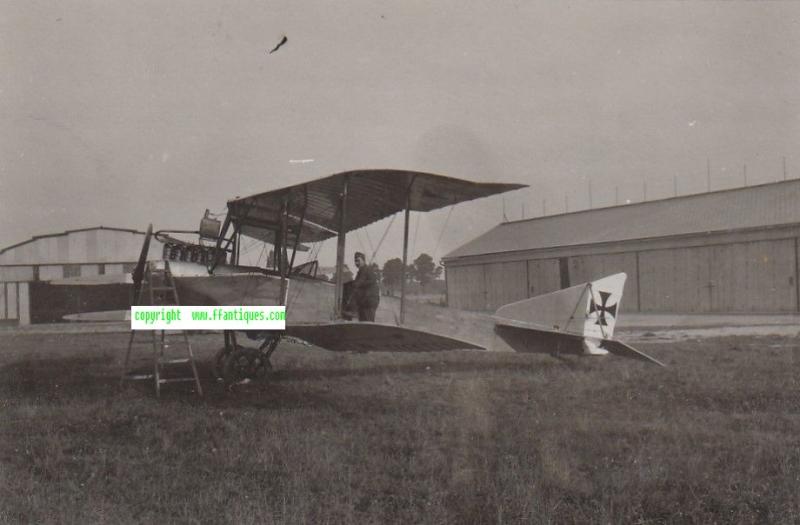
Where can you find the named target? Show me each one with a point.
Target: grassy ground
(433, 438)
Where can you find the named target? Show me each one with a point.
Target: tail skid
(576, 320)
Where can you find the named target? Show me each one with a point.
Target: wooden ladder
(161, 291)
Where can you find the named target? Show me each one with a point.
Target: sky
(120, 113)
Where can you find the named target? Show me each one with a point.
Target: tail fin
(576, 320)
(586, 310)
(602, 306)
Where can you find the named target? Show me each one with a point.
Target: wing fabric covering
(374, 337)
(372, 195)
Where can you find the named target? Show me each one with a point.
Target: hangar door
(50, 303)
(506, 282)
(585, 268)
(739, 277)
(544, 276)
(9, 303)
(675, 280)
(466, 287)
(754, 277)
(486, 287)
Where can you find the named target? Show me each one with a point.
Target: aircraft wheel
(245, 363)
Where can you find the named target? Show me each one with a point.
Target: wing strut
(405, 252)
(300, 227)
(340, 249)
(280, 249)
(213, 264)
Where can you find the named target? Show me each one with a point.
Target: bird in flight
(283, 41)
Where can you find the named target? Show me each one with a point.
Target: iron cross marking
(603, 308)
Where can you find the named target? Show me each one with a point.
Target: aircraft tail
(578, 319)
(586, 310)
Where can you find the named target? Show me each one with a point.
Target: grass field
(431, 438)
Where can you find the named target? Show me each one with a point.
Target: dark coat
(366, 291)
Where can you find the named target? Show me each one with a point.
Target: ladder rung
(162, 288)
(174, 361)
(136, 377)
(176, 380)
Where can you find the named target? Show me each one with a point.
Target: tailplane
(576, 320)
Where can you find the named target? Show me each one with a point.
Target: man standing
(366, 293)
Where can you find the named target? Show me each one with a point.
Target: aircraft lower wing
(374, 337)
(97, 317)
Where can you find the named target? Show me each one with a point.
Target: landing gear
(234, 363)
(245, 363)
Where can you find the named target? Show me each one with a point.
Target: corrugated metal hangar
(724, 251)
(26, 269)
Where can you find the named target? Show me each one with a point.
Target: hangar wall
(756, 271)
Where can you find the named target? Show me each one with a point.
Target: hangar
(718, 252)
(26, 269)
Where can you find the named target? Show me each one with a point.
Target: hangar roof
(765, 205)
(85, 245)
(67, 232)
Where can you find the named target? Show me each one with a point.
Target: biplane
(574, 321)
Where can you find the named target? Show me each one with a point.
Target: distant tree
(392, 275)
(424, 270)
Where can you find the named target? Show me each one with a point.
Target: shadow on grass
(79, 378)
(423, 367)
(57, 378)
(71, 378)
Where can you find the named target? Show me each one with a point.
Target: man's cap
(359, 254)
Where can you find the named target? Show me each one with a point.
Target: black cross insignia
(603, 308)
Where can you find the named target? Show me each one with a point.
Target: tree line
(422, 270)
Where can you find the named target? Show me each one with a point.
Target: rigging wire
(383, 238)
(315, 249)
(253, 282)
(369, 241)
(441, 234)
(360, 242)
(249, 247)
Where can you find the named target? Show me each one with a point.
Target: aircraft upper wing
(374, 337)
(372, 195)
